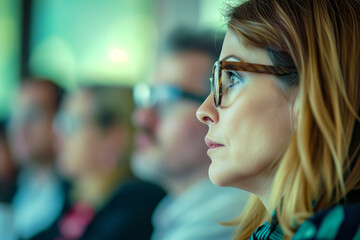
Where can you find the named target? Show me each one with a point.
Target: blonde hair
(322, 162)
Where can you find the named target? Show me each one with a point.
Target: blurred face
(247, 134)
(31, 135)
(169, 141)
(79, 138)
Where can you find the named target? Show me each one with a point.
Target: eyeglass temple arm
(257, 68)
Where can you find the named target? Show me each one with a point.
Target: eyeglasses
(68, 124)
(220, 82)
(148, 96)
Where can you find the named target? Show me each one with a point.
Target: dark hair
(184, 39)
(2, 128)
(59, 92)
(279, 58)
(112, 105)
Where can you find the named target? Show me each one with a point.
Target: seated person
(8, 172)
(40, 193)
(105, 201)
(284, 118)
(7, 168)
(170, 148)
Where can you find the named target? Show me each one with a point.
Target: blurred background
(66, 144)
(68, 40)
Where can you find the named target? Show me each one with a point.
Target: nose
(144, 117)
(207, 113)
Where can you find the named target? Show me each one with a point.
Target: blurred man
(170, 142)
(7, 186)
(7, 168)
(40, 195)
(95, 138)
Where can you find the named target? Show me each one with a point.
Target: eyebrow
(232, 56)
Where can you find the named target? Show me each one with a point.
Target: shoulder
(127, 212)
(338, 222)
(138, 193)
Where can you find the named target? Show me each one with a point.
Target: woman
(283, 117)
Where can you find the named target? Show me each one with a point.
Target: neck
(261, 187)
(265, 196)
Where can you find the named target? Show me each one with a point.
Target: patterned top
(338, 222)
(270, 230)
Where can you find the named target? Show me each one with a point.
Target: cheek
(173, 133)
(40, 135)
(182, 139)
(79, 154)
(256, 140)
(171, 128)
(191, 138)
(263, 132)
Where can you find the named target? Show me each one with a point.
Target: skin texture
(31, 135)
(87, 149)
(253, 129)
(80, 146)
(90, 156)
(169, 142)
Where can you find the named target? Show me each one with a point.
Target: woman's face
(249, 133)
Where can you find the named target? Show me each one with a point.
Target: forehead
(188, 70)
(79, 102)
(36, 94)
(234, 46)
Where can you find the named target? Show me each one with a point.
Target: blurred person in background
(40, 191)
(8, 173)
(8, 169)
(170, 147)
(95, 139)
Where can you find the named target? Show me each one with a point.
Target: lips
(211, 144)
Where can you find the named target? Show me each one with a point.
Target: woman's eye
(233, 79)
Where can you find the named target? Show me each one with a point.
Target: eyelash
(230, 75)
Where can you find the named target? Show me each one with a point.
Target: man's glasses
(220, 81)
(149, 96)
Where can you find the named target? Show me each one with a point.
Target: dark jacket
(127, 215)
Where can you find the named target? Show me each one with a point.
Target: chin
(217, 177)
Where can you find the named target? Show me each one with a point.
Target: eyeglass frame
(177, 93)
(245, 67)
